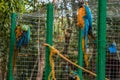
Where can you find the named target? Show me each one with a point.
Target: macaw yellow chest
(81, 14)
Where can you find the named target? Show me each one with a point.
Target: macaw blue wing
(88, 16)
(88, 24)
(26, 37)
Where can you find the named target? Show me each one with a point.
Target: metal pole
(80, 55)
(49, 37)
(12, 42)
(101, 56)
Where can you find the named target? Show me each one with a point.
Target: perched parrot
(84, 21)
(22, 38)
(25, 37)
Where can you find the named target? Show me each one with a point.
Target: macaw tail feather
(84, 51)
(86, 59)
(14, 59)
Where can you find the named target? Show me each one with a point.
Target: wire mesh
(66, 38)
(67, 42)
(113, 36)
(31, 61)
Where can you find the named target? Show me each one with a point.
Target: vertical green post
(101, 56)
(49, 37)
(12, 42)
(80, 54)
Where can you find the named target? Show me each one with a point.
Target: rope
(55, 51)
(52, 73)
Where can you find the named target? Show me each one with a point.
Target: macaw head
(80, 3)
(25, 27)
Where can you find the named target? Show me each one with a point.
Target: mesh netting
(113, 36)
(66, 37)
(31, 58)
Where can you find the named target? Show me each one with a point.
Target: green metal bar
(101, 56)
(12, 42)
(49, 37)
(80, 54)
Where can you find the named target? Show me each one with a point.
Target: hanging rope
(54, 51)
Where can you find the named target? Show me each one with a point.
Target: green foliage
(6, 8)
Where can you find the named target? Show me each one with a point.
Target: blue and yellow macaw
(22, 38)
(84, 21)
(22, 35)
